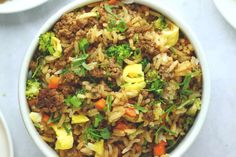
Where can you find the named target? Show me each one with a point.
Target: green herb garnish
(83, 45)
(120, 52)
(73, 101)
(140, 108)
(185, 85)
(98, 119)
(109, 103)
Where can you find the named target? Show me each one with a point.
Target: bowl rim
(158, 6)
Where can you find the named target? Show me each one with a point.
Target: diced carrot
(112, 2)
(130, 112)
(121, 126)
(45, 118)
(160, 148)
(53, 82)
(100, 104)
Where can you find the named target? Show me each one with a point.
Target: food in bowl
(114, 80)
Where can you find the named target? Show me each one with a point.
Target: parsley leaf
(140, 108)
(98, 119)
(94, 134)
(73, 101)
(83, 45)
(105, 133)
(108, 9)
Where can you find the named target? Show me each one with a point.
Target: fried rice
(114, 80)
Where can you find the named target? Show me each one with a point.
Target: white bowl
(191, 135)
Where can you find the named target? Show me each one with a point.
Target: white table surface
(218, 38)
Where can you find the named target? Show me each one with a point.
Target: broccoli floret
(49, 44)
(120, 52)
(32, 88)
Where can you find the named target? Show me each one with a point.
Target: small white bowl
(156, 5)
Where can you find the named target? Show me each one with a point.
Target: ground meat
(111, 70)
(149, 49)
(69, 83)
(50, 100)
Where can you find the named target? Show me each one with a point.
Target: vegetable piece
(108, 8)
(118, 26)
(157, 87)
(98, 148)
(121, 126)
(94, 134)
(186, 103)
(112, 2)
(45, 118)
(171, 35)
(53, 82)
(133, 77)
(109, 102)
(35, 117)
(67, 127)
(32, 88)
(160, 23)
(77, 119)
(65, 140)
(185, 85)
(83, 45)
(98, 119)
(105, 133)
(140, 108)
(77, 65)
(157, 111)
(160, 148)
(144, 62)
(88, 15)
(162, 128)
(100, 104)
(130, 111)
(49, 44)
(195, 107)
(73, 101)
(120, 52)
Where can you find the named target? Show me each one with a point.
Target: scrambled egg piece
(65, 140)
(98, 148)
(56, 44)
(79, 119)
(133, 77)
(35, 117)
(171, 35)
